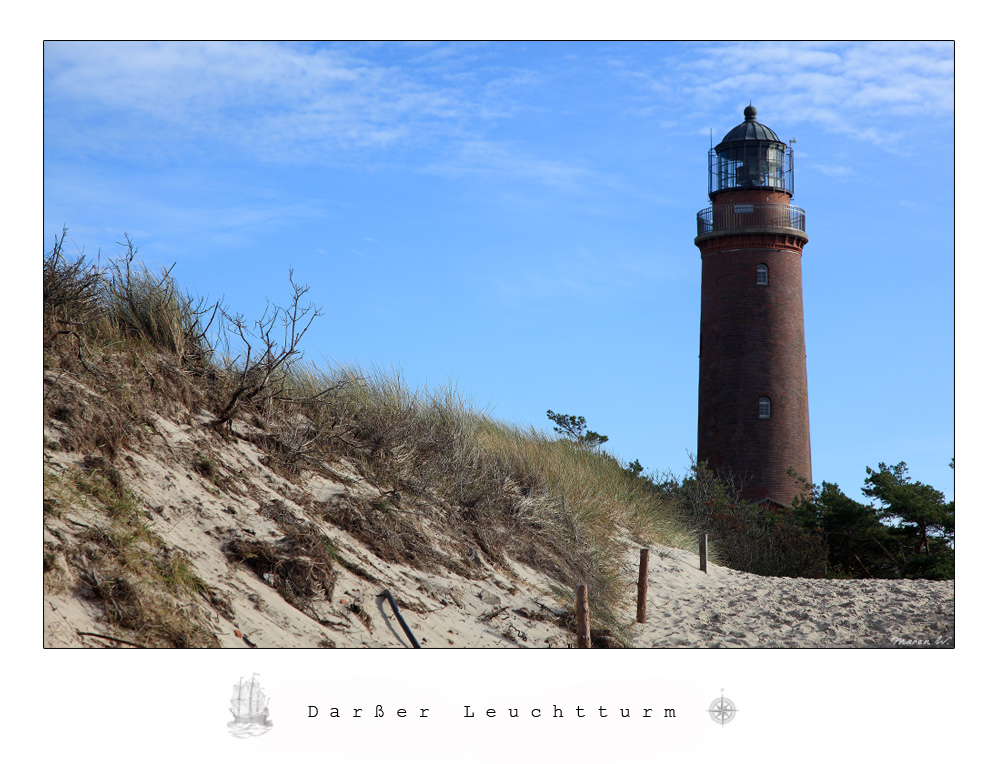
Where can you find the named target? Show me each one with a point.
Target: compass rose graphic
(722, 710)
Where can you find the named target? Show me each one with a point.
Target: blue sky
(517, 219)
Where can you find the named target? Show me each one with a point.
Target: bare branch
(265, 361)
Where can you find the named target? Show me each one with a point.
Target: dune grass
(145, 587)
(561, 508)
(122, 303)
(498, 491)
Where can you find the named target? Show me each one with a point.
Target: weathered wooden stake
(703, 551)
(640, 610)
(582, 617)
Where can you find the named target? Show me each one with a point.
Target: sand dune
(505, 605)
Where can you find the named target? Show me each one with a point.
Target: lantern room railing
(721, 217)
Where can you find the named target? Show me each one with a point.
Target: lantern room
(751, 156)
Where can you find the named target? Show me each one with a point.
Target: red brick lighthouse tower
(753, 408)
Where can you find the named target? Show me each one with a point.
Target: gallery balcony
(779, 218)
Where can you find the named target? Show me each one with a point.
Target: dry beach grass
(199, 493)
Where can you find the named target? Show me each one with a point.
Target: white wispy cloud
(188, 204)
(502, 159)
(582, 276)
(833, 171)
(254, 94)
(457, 109)
(291, 103)
(871, 92)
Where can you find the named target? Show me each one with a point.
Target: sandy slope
(513, 606)
(501, 608)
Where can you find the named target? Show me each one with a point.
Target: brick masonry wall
(749, 195)
(753, 345)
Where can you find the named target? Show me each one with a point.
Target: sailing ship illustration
(249, 703)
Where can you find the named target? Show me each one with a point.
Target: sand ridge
(504, 605)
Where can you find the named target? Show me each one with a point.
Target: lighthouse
(753, 405)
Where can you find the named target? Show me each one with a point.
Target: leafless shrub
(260, 369)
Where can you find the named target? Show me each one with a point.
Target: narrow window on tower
(762, 275)
(764, 407)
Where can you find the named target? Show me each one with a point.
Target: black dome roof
(750, 130)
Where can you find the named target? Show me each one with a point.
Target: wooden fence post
(703, 551)
(640, 611)
(582, 617)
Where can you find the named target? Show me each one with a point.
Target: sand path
(727, 608)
